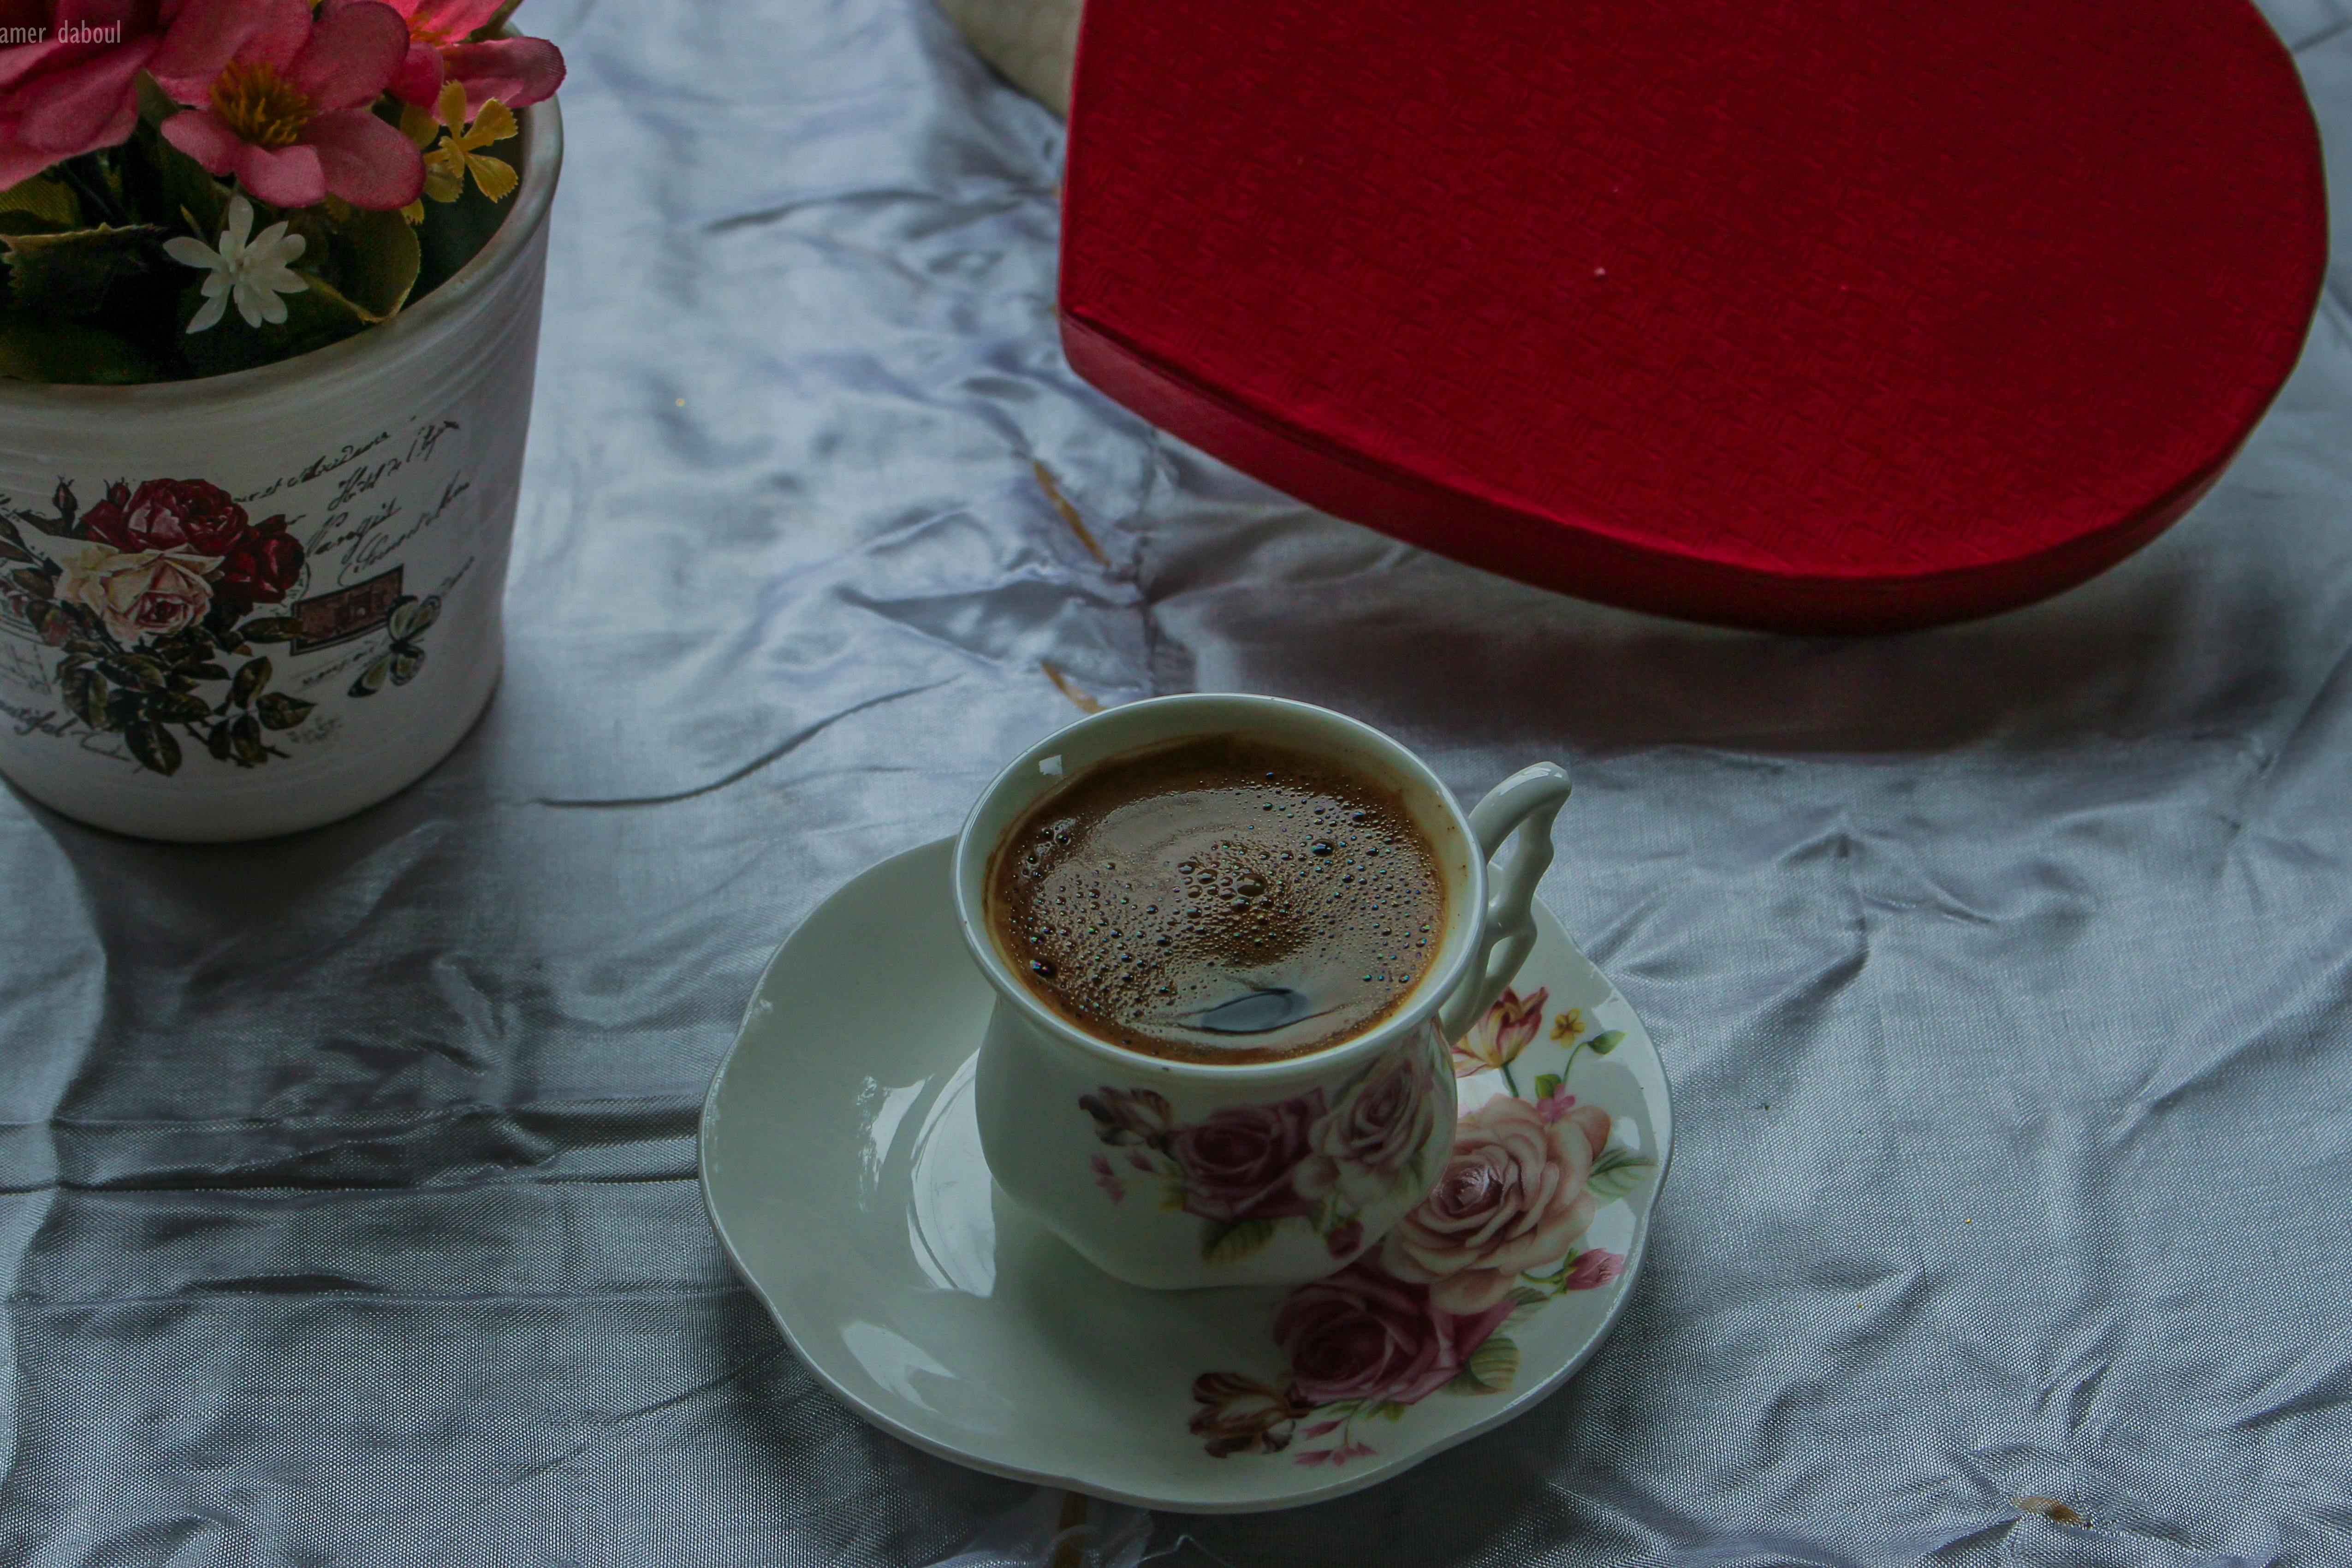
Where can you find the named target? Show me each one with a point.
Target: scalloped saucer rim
(971, 1296)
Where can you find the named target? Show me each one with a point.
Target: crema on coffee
(1219, 900)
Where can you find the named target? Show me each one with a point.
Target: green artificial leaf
(244, 741)
(1490, 1369)
(1386, 1410)
(216, 740)
(405, 663)
(1528, 1296)
(411, 617)
(71, 354)
(203, 669)
(154, 746)
(155, 105)
(121, 712)
(1600, 1044)
(370, 682)
(1226, 1243)
(250, 682)
(453, 234)
(176, 708)
(1547, 1085)
(1617, 1172)
(269, 629)
(169, 187)
(279, 711)
(71, 273)
(374, 259)
(497, 25)
(10, 551)
(85, 694)
(39, 584)
(51, 202)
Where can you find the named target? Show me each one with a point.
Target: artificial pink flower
(76, 91)
(515, 71)
(289, 114)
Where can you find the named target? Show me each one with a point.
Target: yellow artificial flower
(458, 151)
(1570, 1027)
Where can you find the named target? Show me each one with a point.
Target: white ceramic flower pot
(256, 603)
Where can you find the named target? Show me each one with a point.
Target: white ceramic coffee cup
(1177, 1175)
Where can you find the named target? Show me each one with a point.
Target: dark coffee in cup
(1219, 900)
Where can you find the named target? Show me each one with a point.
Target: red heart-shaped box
(1822, 315)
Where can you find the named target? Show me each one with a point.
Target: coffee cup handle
(1523, 805)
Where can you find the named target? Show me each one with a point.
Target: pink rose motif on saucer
(1245, 1169)
(1494, 1242)
(1512, 1200)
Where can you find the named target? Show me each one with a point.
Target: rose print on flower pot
(147, 595)
(262, 600)
(1496, 1239)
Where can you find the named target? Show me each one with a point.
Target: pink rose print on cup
(1129, 1116)
(1244, 1170)
(1426, 1312)
(1374, 1140)
(1243, 1162)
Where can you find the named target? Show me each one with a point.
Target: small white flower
(254, 271)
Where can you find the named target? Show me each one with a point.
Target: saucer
(842, 1168)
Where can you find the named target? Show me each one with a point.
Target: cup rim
(1458, 948)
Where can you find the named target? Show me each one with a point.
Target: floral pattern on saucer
(1495, 1241)
(1245, 1169)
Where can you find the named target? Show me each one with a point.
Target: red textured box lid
(1813, 314)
